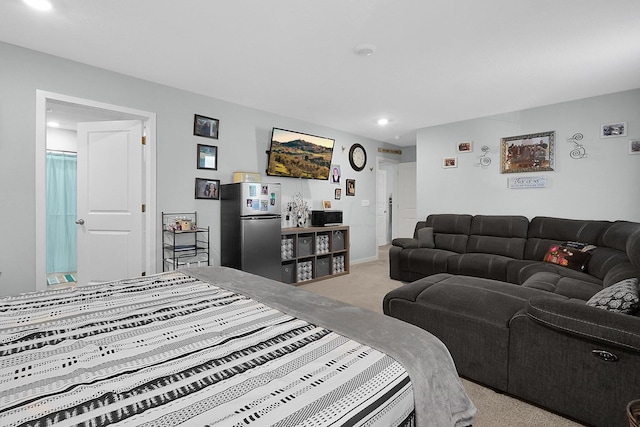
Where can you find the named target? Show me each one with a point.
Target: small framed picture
(326, 204)
(464, 147)
(207, 157)
(449, 162)
(613, 130)
(634, 146)
(335, 174)
(205, 126)
(207, 189)
(337, 194)
(351, 187)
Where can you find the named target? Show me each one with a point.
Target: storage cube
(289, 272)
(338, 240)
(305, 245)
(323, 267)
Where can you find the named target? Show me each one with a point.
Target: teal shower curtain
(61, 212)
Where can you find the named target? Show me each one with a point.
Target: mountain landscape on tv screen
(299, 158)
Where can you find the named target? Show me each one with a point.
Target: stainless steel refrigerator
(250, 228)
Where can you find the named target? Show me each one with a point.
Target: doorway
(386, 189)
(71, 111)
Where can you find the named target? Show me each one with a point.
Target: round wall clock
(357, 157)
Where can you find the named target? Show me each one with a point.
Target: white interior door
(382, 213)
(110, 195)
(406, 199)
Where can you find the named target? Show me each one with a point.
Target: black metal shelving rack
(188, 247)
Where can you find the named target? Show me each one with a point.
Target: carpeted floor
(365, 286)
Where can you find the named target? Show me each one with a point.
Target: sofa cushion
(425, 238)
(488, 266)
(568, 286)
(546, 231)
(451, 231)
(620, 298)
(424, 261)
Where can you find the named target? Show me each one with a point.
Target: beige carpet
(365, 286)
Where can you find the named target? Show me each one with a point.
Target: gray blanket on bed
(440, 399)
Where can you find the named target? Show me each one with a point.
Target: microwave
(322, 218)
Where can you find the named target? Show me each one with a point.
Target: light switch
(365, 203)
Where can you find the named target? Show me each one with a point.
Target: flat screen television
(299, 155)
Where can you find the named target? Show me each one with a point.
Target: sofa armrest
(405, 242)
(577, 318)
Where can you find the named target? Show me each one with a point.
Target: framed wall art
(326, 204)
(205, 126)
(528, 153)
(613, 130)
(207, 157)
(634, 146)
(449, 162)
(337, 194)
(351, 187)
(207, 189)
(464, 147)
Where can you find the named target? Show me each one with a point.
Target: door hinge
(144, 208)
(144, 140)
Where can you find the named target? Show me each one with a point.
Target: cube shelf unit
(314, 253)
(183, 248)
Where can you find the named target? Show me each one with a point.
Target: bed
(214, 346)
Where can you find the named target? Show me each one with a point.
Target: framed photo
(528, 153)
(464, 147)
(613, 130)
(207, 157)
(449, 162)
(326, 204)
(207, 189)
(634, 146)
(335, 174)
(351, 187)
(338, 194)
(205, 126)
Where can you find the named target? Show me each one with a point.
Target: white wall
(242, 145)
(604, 185)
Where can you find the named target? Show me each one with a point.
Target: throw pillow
(570, 254)
(623, 297)
(425, 238)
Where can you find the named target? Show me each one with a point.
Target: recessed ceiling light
(365, 49)
(43, 5)
(383, 122)
(53, 124)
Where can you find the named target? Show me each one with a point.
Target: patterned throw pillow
(623, 297)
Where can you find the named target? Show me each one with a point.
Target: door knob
(80, 221)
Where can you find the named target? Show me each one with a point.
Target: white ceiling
(437, 61)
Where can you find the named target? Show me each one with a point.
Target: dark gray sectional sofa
(521, 325)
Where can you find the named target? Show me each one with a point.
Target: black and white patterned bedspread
(170, 349)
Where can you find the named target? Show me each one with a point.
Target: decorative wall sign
(527, 182)
(387, 150)
(578, 151)
(613, 130)
(528, 153)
